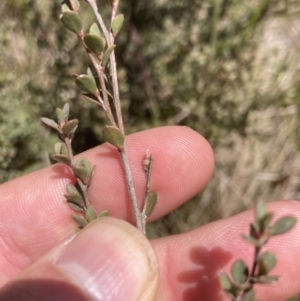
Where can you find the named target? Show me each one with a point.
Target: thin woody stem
(114, 8)
(137, 213)
(100, 21)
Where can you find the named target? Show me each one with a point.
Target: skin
(34, 219)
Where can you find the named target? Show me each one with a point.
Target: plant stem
(140, 221)
(137, 213)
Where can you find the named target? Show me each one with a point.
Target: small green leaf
(114, 136)
(266, 221)
(249, 296)
(260, 210)
(103, 213)
(82, 169)
(75, 207)
(80, 220)
(69, 126)
(77, 4)
(94, 29)
(91, 175)
(284, 225)
(60, 115)
(83, 162)
(90, 214)
(255, 228)
(74, 196)
(87, 83)
(151, 202)
(89, 72)
(117, 24)
(266, 263)
(71, 21)
(61, 158)
(107, 54)
(267, 279)
(239, 271)
(81, 172)
(225, 282)
(252, 240)
(91, 98)
(60, 149)
(66, 110)
(95, 43)
(65, 7)
(50, 122)
(71, 189)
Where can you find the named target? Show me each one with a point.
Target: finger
(190, 263)
(34, 215)
(108, 260)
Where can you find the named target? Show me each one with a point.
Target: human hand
(42, 259)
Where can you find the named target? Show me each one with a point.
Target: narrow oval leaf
(65, 7)
(77, 4)
(91, 98)
(249, 296)
(266, 263)
(267, 279)
(94, 29)
(87, 83)
(60, 148)
(60, 115)
(252, 240)
(95, 43)
(107, 55)
(103, 213)
(57, 148)
(81, 172)
(66, 110)
(151, 202)
(71, 21)
(114, 136)
(83, 169)
(284, 225)
(50, 122)
(90, 214)
(260, 210)
(117, 24)
(266, 221)
(69, 126)
(83, 162)
(75, 207)
(91, 175)
(71, 189)
(75, 198)
(61, 158)
(239, 271)
(225, 282)
(80, 220)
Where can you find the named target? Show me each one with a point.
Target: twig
(137, 213)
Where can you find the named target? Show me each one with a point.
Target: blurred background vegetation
(228, 69)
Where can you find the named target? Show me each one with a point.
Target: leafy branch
(77, 195)
(240, 287)
(99, 46)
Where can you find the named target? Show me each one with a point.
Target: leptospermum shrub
(100, 86)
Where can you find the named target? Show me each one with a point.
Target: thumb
(108, 260)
